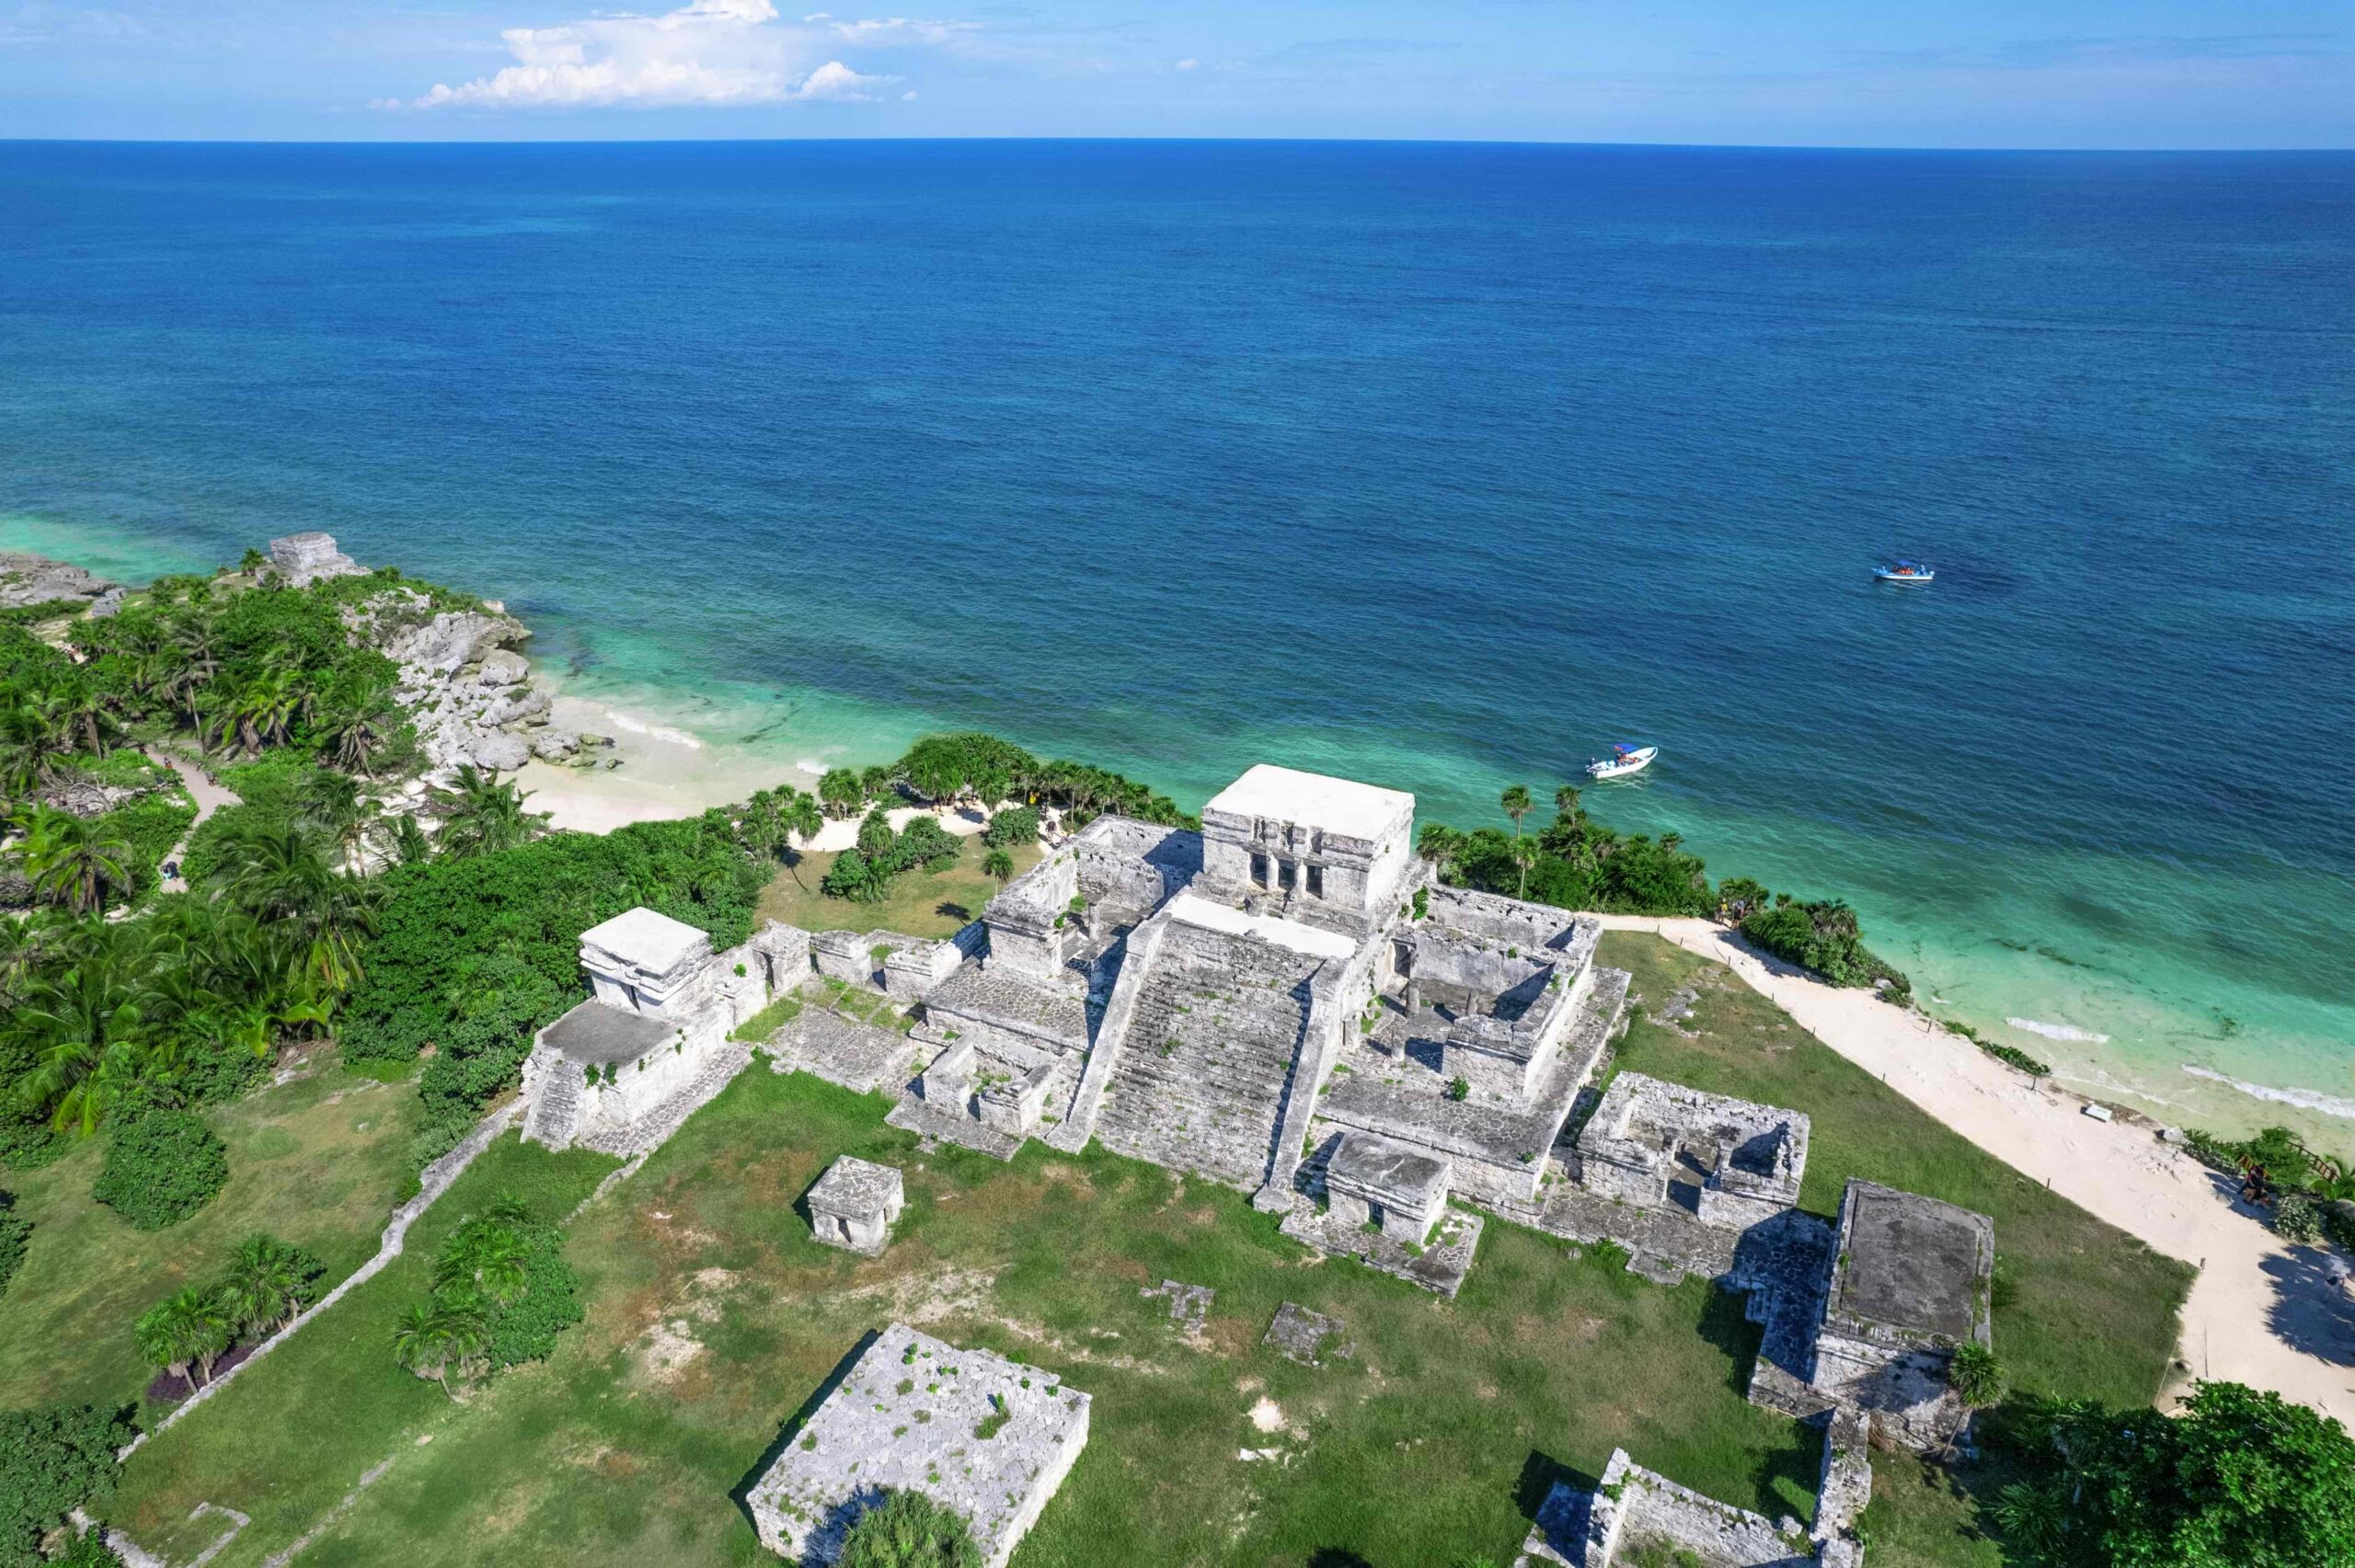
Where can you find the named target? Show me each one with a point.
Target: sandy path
(209, 797)
(2259, 1312)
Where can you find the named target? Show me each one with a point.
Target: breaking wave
(2057, 1030)
(2304, 1099)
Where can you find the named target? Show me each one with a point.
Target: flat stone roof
(1367, 1160)
(593, 1034)
(1192, 908)
(1910, 1261)
(988, 1437)
(856, 1186)
(1315, 800)
(646, 939)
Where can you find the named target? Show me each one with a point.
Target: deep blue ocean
(1438, 465)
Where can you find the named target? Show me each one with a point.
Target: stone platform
(988, 1437)
(1439, 1266)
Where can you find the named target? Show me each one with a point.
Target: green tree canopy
(908, 1529)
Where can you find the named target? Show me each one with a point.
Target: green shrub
(2297, 1218)
(910, 1531)
(1824, 937)
(525, 1328)
(161, 1168)
(52, 1460)
(1012, 828)
(1979, 1379)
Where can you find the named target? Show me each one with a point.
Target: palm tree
(1440, 844)
(333, 801)
(279, 873)
(267, 1284)
(1566, 801)
(1517, 805)
(804, 818)
(190, 1324)
(482, 816)
(354, 732)
(485, 1259)
(430, 1338)
(73, 861)
(411, 846)
(998, 863)
(1525, 855)
(83, 1023)
(33, 741)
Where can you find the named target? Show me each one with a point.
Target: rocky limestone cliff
(36, 580)
(466, 689)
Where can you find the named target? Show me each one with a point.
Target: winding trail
(208, 797)
(2260, 1312)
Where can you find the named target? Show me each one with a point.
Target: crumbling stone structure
(1371, 1180)
(1911, 1280)
(988, 1437)
(621, 1070)
(1729, 1163)
(855, 1205)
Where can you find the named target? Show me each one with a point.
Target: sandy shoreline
(2260, 1312)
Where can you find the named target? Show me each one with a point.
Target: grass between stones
(319, 1162)
(923, 903)
(715, 1323)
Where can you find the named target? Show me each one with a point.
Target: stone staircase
(555, 1115)
(652, 1130)
(1199, 1080)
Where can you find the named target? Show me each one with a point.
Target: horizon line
(1133, 140)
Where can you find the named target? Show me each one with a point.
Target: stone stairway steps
(1200, 1082)
(557, 1116)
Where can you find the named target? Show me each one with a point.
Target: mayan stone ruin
(988, 1437)
(855, 1205)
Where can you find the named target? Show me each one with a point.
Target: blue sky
(1990, 74)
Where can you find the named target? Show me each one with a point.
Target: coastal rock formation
(306, 558)
(464, 686)
(36, 580)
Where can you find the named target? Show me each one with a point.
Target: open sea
(1441, 465)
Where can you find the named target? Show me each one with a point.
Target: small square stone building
(855, 1205)
(988, 1437)
(1910, 1281)
(1372, 1180)
(1306, 836)
(1738, 1163)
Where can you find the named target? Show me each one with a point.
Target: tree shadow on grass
(1337, 1557)
(740, 1494)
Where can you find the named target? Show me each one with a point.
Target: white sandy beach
(2260, 1312)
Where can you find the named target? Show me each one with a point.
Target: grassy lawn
(2082, 1309)
(294, 1433)
(923, 903)
(319, 1161)
(713, 1320)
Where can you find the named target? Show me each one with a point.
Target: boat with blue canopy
(1625, 758)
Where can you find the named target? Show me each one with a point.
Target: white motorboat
(1906, 572)
(1623, 759)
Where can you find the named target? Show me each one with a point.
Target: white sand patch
(2254, 1315)
(1267, 1415)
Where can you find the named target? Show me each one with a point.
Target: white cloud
(1189, 63)
(706, 53)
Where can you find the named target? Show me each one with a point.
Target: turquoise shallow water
(1438, 466)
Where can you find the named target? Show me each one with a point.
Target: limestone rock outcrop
(36, 580)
